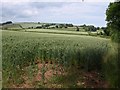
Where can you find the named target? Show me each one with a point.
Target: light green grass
(12, 27)
(56, 31)
(26, 25)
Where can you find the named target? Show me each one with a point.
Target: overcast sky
(86, 12)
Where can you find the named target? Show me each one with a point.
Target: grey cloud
(18, 10)
(54, 11)
(7, 12)
(46, 4)
(13, 11)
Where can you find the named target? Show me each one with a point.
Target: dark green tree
(77, 28)
(106, 31)
(113, 61)
(113, 20)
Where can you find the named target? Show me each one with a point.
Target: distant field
(12, 27)
(23, 25)
(17, 26)
(56, 31)
(71, 29)
(26, 25)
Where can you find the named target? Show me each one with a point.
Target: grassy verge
(111, 66)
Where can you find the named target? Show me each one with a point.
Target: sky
(90, 12)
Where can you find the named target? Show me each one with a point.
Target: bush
(111, 67)
(116, 37)
(8, 22)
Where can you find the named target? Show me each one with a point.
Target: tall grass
(0, 59)
(22, 49)
(112, 66)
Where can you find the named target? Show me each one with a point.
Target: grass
(56, 31)
(12, 27)
(22, 49)
(0, 59)
(26, 24)
(111, 66)
(65, 46)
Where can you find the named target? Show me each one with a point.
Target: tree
(8, 22)
(61, 25)
(90, 28)
(38, 22)
(106, 31)
(98, 28)
(113, 25)
(69, 25)
(77, 29)
(56, 26)
(113, 20)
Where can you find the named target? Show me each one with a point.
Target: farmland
(56, 31)
(54, 28)
(22, 50)
(60, 45)
(47, 54)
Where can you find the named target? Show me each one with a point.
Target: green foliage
(69, 25)
(106, 31)
(89, 27)
(113, 59)
(77, 29)
(113, 19)
(111, 66)
(8, 22)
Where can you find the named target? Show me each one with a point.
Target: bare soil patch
(50, 75)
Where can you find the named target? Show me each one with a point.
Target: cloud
(47, 4)
(67, 12)
(57, 1)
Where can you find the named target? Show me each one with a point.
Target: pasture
(57, 31)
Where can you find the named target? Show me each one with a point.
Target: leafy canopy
(113, 19)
